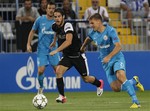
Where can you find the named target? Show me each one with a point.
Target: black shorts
(80, 63)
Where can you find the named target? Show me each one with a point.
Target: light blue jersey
(46, 36)
(105, 41)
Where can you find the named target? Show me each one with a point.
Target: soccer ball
(40, 101)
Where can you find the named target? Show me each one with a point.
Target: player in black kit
(70, 44)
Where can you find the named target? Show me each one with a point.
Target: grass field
(76, 101)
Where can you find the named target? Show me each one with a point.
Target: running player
(70, 44)
(46, 43)
(112, 58)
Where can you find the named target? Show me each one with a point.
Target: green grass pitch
(76, 101)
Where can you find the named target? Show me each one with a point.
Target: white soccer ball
(40, 101)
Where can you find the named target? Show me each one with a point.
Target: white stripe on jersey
(86, 64)
(68, 27)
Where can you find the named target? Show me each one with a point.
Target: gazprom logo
(44, 31)
(26, 81)
(26, 73)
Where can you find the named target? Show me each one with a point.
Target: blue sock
(132, 81)
(40, 79)
(127, 86)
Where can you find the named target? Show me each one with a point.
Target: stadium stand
(128, 39)
(130, 42)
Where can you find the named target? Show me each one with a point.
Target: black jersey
(74, 49)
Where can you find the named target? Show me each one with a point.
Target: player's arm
(68, 28)
(30, 37)
(85, 43)
(113, 35)
(53, 44)
(65, 44)
(113, 53)
(31, 34)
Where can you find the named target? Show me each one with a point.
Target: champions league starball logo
(26, 73)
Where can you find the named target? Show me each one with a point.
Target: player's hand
(53, 52)
(106, 59)
(29, 49)
(53, 44)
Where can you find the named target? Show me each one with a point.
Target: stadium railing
(130, 42)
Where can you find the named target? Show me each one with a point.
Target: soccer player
(46, 42)
(112, 58)
(70, 45)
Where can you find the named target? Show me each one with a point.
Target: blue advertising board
(19, 73)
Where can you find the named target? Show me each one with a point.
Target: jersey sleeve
(68, 28)
(36, 24)
(114, 36)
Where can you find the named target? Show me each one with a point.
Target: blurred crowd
(27, 14)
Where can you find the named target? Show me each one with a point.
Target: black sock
(96, 83)
(60, 86)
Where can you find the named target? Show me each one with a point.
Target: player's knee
(85, 79)
(58, 73)
(115, 89)
(40, 71)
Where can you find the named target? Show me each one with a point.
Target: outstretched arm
(53, 44)
(85, 43)
(114, 52)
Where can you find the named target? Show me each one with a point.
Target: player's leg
(41, 70)
(42, 61)
(60, 70)
(135, 81)
(82, 67)
(111, 77)
(54, 61)
(127, 86)
(63, 66)
(119, 69)
(94, 81)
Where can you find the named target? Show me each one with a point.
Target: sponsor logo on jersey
(44, 31)
(104, 46)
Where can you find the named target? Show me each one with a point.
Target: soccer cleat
(61, 99)
(100, 89)
(40, 91)
(134, 105)
(138, 84)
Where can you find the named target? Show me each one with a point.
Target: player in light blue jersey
(46, 43)
(106, 38)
